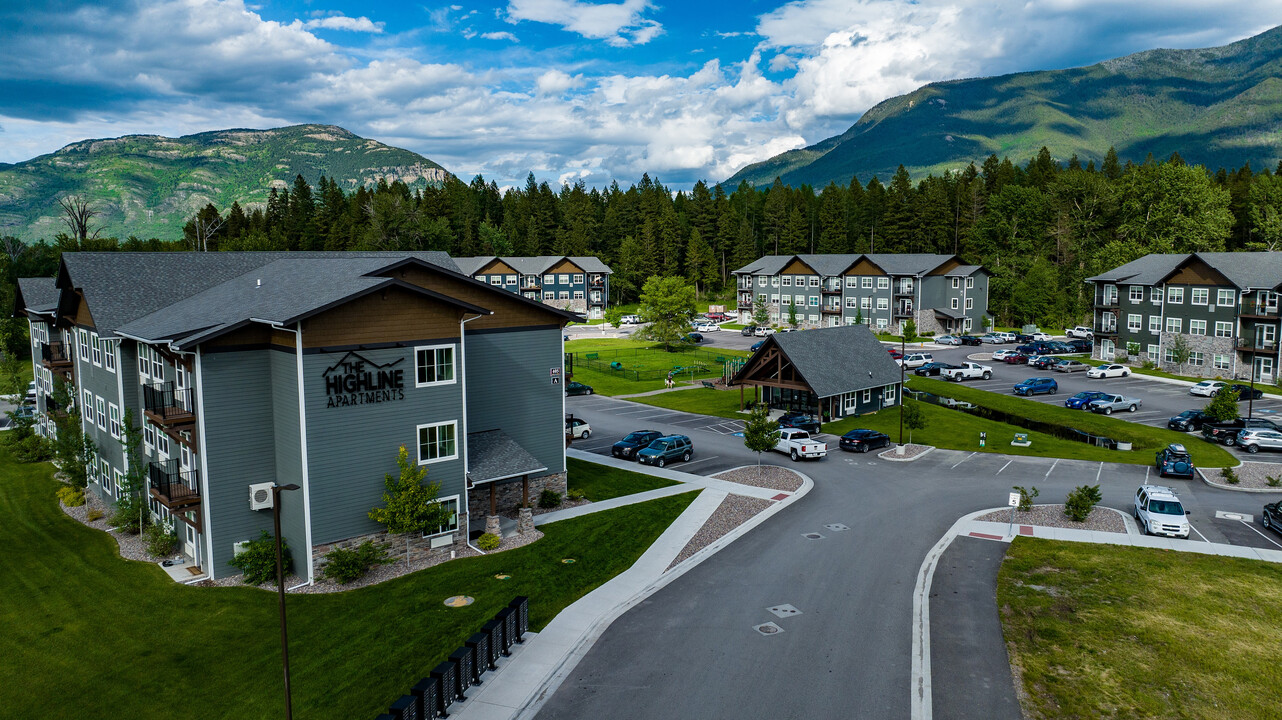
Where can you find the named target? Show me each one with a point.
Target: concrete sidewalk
(518, 688)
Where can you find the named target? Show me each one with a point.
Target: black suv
(1187, 420)
(748, 330)
(970, 340)
(801, 421)
(1174, 459)
(666, 449)
(627, 447)
(863, 440)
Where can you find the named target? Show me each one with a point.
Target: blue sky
(568, 89)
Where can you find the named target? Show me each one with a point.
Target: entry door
(180, 386)
(189, 541)
(1264, 369)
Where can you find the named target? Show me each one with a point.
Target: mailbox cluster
(448, 682)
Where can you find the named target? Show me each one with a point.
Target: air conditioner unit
(260, 496)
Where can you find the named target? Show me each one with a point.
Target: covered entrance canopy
(493, 458)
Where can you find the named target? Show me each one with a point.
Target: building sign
(356, 380)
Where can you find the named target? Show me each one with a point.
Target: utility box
(462, 659)
(507, 616)
(494, 631)
(405, 708)
(444, 675)
(521, 604)
(479, 644)
(426, 694)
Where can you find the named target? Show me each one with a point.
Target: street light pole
(902, 348)
(280, 587)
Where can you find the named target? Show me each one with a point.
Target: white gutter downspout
(206, 512)
(463, 391)
(302, 444)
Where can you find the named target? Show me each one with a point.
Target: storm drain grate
(783, 611)
(813, 536)
(836, 527)
(768, 628)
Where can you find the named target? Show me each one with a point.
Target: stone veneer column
(525, 521)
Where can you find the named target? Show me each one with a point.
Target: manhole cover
(768, 628)
(1226, 515)
(501, 576)
(836, 527)
(813, 536)
(783, 611)
(459, 601)
(568, 561)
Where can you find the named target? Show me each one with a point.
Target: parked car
(1018, 358)
(1070, 366)
(718, 317)
(705, 327)
(1080, 346)
(578, 428)
(1006, 336)
(1246, 392)
(1226, 432)
(1109, 403)
(991, 339)
(805, 421)
(665, 450)
(757, 345)
(763, 331)
(970, 340)
(1187, 420)
(948, 340)
(627, 447)
(1174, 459)
(967, 371)
(1040, 336)
(1081, 331)
(1043, 362)
(1108, 371)
(1082, 399)
(578, 388)
(916, 360)
(1037, 386)
(1023, 338)
(1158, 511)
(860, 440)
(24, 412)
(630, 320)
(1058, 348)
(894, 352)
(748, 331)
(999, 355)
(694, 337)
(1271, 517)
(797, 444)
(1208, 388)
(932, 369)
(1254, 440)
(30, 396)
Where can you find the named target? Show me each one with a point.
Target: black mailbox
(462, 659)
(494, 629)
(481, 661)
(426, 694)
(521, 604)
(507, 616)
(405, 708)
(445, 677)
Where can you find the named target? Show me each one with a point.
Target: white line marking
(594, 448)
(693, 462)
(1008, 462)
(1048, 472)
(1257, 532)
(1097, 472)
(959, 462)
(1146, 469)
(647, 408)
(1199, 533)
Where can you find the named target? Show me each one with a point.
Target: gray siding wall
(349, 448)
(289, 452)
(103, 384)
(509, 388)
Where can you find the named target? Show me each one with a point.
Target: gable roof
(36, 295)
(834, 264)
(1246, 270)
(493, 455)
(833, 360)
(532, 265)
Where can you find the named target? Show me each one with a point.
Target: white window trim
(1175, 296)
(1221, 300)
(109, 355)
(1137, 293)
(95, 347)
(1193, 294)
(956, 283)
(418, 443)
(1197, 327)
(113, 420)
(787, 281)
(883, 303)
(453, 364)
(100, 413)
(456, 500)
(883, 283)
(577, 279)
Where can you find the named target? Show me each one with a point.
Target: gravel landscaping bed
(771, 477)
(911, 451)
(1251, 476)
(132, 547)
(734, 511)
(1101, 519)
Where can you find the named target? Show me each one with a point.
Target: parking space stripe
(959, 462)
(1052, 467)
(1099, 472)
(1257, 532)
(1199, 534)
(1008, 462)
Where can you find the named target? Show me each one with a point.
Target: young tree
(411, 504)
(1181, 351)
(909, 330)
(792, 315)
(667, 304)
(614, 316)
(131, 506)
(761, 315)
(914, 417)
(1223, 407)
(760, 433)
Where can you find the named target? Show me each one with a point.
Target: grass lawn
(601, 482)
(1101, 631)
(1144, 438)
(123, 640)
(609, 382)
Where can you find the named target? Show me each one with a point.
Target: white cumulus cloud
(500, 35)
(619, 24)
(342, 22)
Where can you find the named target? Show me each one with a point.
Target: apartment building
(244, 369)
(1223, 305)
(578, 284)
(940, 293)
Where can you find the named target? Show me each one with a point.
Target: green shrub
(1229, 476)
(344, 565)
(162, 540)
(71, 496)
(126, 518)
(257, 561)
(31, 449)
(575, 494)
(1080, 502)
(94, 514)
(488, 542)
(1272, 481)
(1026, 496)
(549, 499)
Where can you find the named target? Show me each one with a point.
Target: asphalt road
(690, 649)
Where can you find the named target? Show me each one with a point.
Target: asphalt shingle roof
(535, 265)
(1247, 270)
(837, 360)
(38, 294)
(493, 455)
(835, 264)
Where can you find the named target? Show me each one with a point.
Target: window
(1155, 323)
(852, 282)
(157, 365)
(867, 395)
(1221, 362)
(970, 283)
(956, 283)
(113, 416)
(787, 281)
(549, 279)
(1225, 298)
(100, 406)
(762, 298)
(1173, 324)
(1153, 351)
(1198, 296)
(814, 301)
(883, 283)
(148, 437)
(814, 281)
(954, 303)
(865, 303)
(849, 402)
(1195, 359)
(1137, 293)
(970, 303)
(1197, 327)
(1155, 295)
(868, 282)
(1223, 329)
(889, 394)
(496, 279)
(774, 281)
(96, 347)
(851, 302)
(814, 318)
(883, 323)
(84, 344)
(433, 365)
(549, 295)
(109, 355)
(1134, 322)
(509, 279)
(578, 278)
(1169, 355)
(883, 303)
(774, 299)
(437, 442)
(578, 294)
(1175, 295)
(798, 300)
(103, 475)
(451, 506)
(563, 278)
(761, 281)
(119, 481)
(87, 406)
(144, 364)
(162, 445)
(563, 295)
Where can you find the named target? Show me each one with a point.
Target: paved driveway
(690, 650)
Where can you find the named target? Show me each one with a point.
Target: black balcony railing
(172, 485)
(55, 353)
(1259, 310)
(831, 309)
(167, 403)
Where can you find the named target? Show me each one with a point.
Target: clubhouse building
(312, 369)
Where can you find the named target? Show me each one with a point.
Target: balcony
(1247, 345)
(831, 310)
(1111, 301)
(596, 300)
(167, 406)
(903, 310)
(56, 356)
(1259, 311)
(172, 486)
(1106, 328)
(830, 290)
(54, 409)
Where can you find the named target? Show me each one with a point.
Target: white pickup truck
(967, 371)
(1081, 331)
(798, 444)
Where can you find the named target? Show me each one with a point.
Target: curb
(1222, 486)
(889, 455)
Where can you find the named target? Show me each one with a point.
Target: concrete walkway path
(524, 681)
(660, 391)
